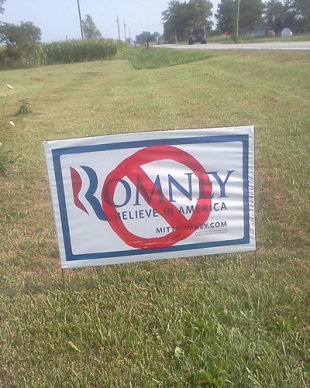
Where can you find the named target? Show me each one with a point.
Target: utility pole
(238, 12)
(81, 25)
(119, 33)
(125, 31)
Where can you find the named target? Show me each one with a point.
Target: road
(297, 46)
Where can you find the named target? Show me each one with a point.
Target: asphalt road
(297, 46)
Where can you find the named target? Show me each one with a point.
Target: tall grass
(79, 51)
(69, 51)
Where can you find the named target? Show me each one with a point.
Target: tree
(143, 37)
(198, 13)
(297, 15)
(250, 14)
(20, 41)
(180, 18)
(89, 28)
(275, 15)
(174, 21)
(301, 11)
(13, 35)
(146, 36)
(156, 36)
(226, 16)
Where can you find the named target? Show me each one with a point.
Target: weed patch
(6, 159)
(25, 107)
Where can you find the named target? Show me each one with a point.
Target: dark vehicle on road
(197, 35)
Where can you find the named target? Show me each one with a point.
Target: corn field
(70, 51)
(78, 51)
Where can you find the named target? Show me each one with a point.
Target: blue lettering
(141, 189)
(220, 182)
(127, 191)
(93, 201)
(172, 181)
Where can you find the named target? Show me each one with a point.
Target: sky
(59, 20)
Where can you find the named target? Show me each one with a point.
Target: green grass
(217, 321)
(153, 58)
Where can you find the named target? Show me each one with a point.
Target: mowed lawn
(214, 321)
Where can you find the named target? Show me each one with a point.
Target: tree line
(275, 14)
(181, 16)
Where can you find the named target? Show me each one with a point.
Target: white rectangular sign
(152, 195)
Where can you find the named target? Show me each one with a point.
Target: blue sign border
(58, 152)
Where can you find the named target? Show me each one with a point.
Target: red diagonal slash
(182, 226)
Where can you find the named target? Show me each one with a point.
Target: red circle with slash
(131, 167)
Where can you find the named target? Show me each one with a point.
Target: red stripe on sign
(158, 202)
(131, 167)
(76, 188)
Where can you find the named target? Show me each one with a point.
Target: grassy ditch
(216, 321)
(154, 58)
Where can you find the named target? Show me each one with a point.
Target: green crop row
(69, 51)
(78, 51)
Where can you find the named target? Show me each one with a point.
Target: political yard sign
(153, 195)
